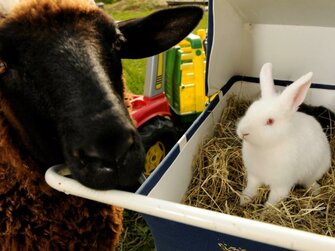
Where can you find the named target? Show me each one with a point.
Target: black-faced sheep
(61, 101)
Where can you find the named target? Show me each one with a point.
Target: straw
(219, 177)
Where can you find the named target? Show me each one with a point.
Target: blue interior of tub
(174, 236)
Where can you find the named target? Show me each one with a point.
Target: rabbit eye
(270, 121)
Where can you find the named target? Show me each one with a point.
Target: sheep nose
(109, 148)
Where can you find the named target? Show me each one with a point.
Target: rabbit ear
(266, 81)
(295, 93)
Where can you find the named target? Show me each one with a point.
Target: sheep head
(62, 78)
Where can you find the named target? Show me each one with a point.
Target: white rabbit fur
(281, 147)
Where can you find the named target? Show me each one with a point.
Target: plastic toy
(174, 95)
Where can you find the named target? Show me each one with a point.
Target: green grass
(136, 234)
(134, 72)
(124, 15)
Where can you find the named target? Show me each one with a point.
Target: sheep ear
(157, 32)
(295, 93)
(266, 81)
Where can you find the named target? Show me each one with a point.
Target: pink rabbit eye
(270, 121)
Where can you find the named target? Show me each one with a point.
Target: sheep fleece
(35, 217)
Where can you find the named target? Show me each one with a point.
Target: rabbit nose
(243, 135)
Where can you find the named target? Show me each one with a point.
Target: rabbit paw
(277, 194)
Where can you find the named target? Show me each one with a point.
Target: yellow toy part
(155, 155)
(185, 75)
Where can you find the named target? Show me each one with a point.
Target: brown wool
(33, 216)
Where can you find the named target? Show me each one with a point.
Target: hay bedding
(219, 177)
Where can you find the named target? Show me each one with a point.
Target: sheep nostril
(104, 151)
(86, 156)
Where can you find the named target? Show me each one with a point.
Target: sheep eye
(118, 41)
(270, 121)
(3, 67)
(117, 45)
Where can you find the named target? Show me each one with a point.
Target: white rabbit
(281, 146)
